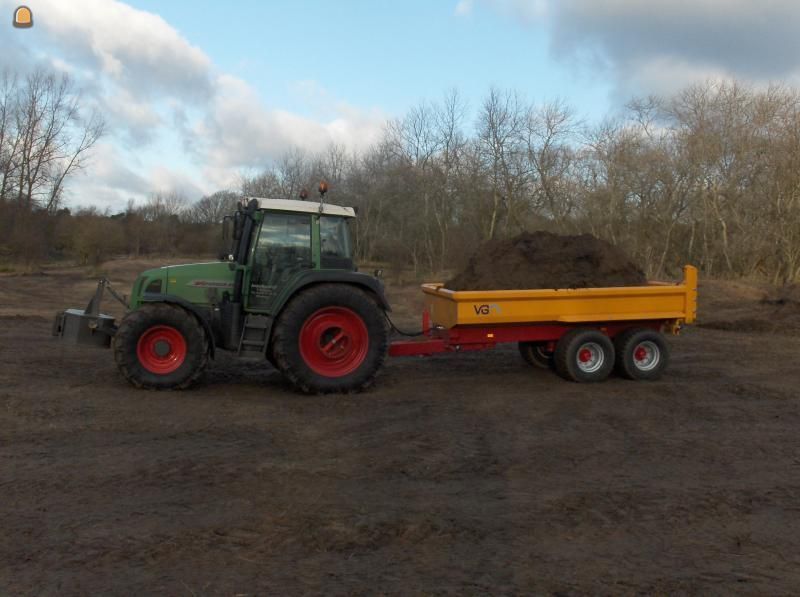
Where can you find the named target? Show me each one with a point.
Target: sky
(197, 94)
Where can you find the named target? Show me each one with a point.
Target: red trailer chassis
(468, 338)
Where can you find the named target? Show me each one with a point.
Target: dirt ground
(465, 474)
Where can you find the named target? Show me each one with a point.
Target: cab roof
(304, 207)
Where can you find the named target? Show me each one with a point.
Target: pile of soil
(783, 296)
(776, 311)
(545, 260)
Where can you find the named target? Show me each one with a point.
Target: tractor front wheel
(161, 347)
(330, 338)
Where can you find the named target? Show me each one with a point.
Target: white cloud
(157, 90)
(752, 39)
(136, 49)
(356, 129)
(525, 10)
(111, 166)
(138, 121)
(528, 11)
(240, 131)
(110, 179)
(666, 75)
(657, 45)
(162, 178)
(463, 8)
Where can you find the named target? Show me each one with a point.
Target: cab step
(255, 335)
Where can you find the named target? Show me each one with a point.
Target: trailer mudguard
(149, 297)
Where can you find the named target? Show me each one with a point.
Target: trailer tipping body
(475, 320)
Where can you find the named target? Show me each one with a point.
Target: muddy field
(466, 474)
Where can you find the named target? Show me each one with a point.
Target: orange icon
(23, 17)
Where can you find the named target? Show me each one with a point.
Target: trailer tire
(160, 346)
(536, 354)
(330, 338)
(584, 355)
(642, 354)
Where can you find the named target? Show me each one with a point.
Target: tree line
(707, 176)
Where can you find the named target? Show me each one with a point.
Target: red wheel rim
(334, 341)
(161, 349)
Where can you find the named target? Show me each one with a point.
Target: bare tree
(212, 208)
(52, 138)
(9, 140)
(549, 136)
(449, 116)
(501, 122)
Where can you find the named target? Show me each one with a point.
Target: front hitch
(88, 326)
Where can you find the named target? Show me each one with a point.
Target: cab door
(282, 250)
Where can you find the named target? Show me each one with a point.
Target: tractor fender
(149, 297)
(311, 277)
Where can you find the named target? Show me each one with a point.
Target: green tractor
(285, 290)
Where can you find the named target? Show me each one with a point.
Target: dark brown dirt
(460, 474)
(749, 308)
(545, 260)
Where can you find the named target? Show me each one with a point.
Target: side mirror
(226, 243)
(238, 222)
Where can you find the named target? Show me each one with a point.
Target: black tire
(536, 354)
(140, 328)
(584, 355)
(299, 343)
(642, 354)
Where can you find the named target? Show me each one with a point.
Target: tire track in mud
(385, 511)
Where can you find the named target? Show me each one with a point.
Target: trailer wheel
(536, 354)
(161, 347)
(642, 354)
(584, 355)
(330, 338)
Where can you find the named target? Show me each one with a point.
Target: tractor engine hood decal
(210, 283)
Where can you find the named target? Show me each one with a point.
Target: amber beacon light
(23, 17)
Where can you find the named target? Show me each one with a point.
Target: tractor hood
(198, 283)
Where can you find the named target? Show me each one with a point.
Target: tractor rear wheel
(584, 355)
(161, 347)
(330, 338)
(536, 354)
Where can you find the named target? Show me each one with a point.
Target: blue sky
(382, 54)
(197, 93)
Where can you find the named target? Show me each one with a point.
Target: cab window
(282, 249)
(334, 240)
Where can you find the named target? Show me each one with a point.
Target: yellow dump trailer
(581, 332)
(657, 300)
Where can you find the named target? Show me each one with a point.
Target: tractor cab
(287, 240)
